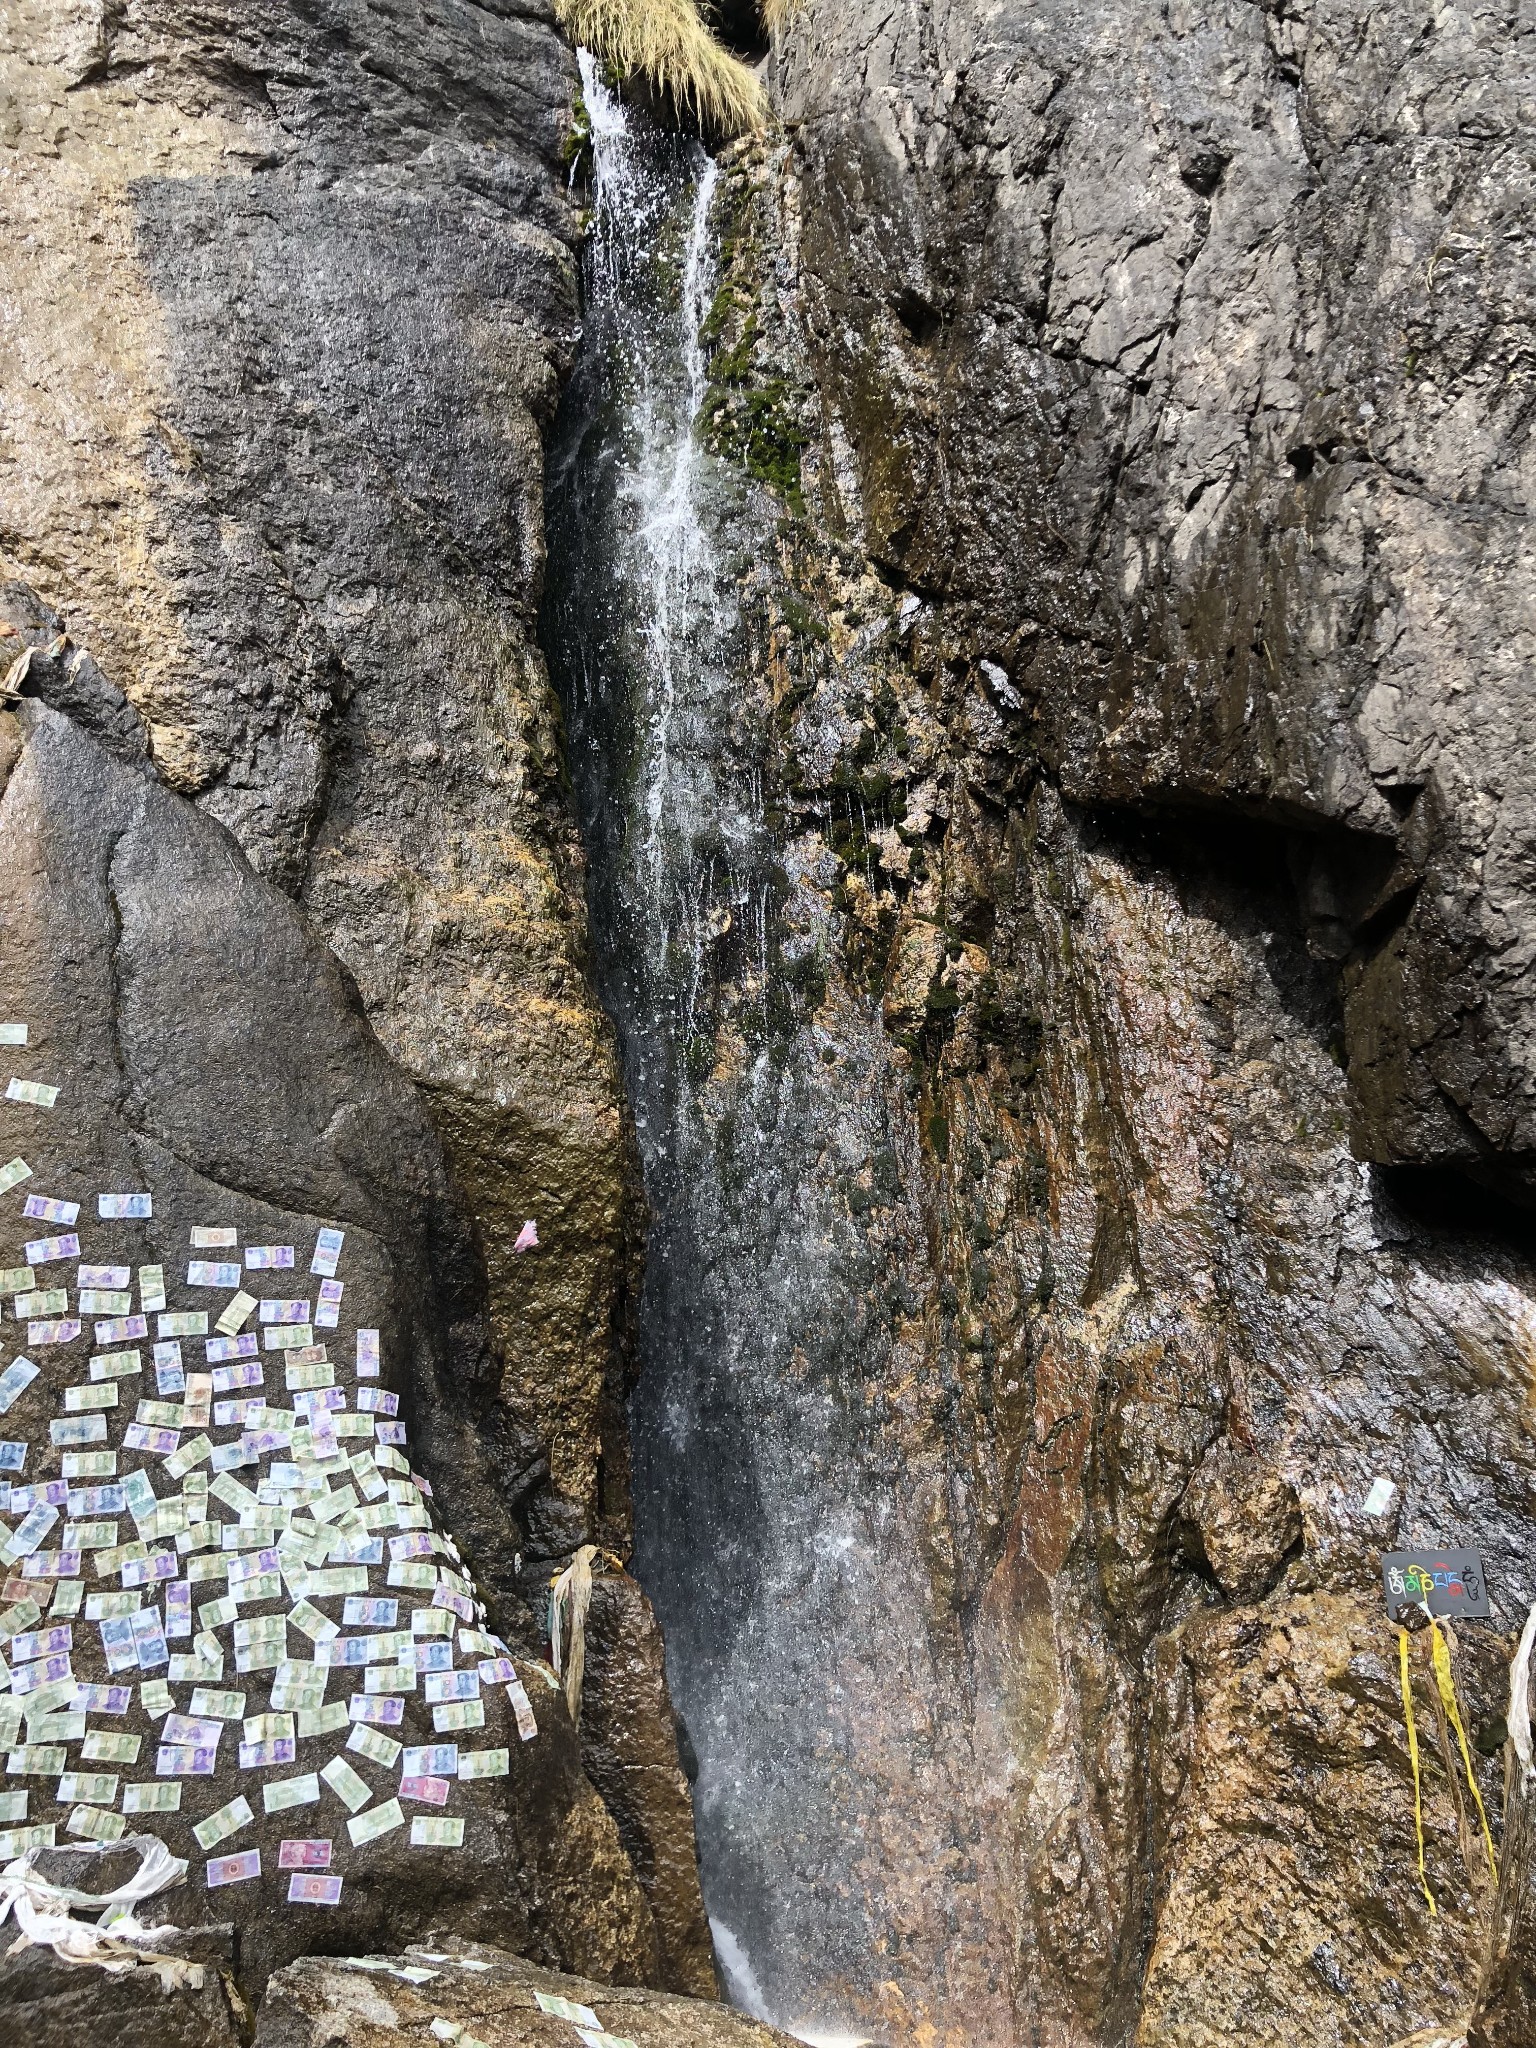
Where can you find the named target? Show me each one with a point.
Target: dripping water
(778, 1531)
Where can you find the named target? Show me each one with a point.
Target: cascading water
(786, 1540)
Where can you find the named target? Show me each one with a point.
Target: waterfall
(786, 1544)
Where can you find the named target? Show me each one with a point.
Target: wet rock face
(1178, 349)
(1046, 1490)
(299, 291)
(208, 1050)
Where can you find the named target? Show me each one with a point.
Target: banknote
(12, 1174)
(377, 1401)
(378, 1820)
(220, 1350)
(452, 1685)
(236, 1413)
(151, 1799)
(484, 1763)
(149, 1571)
(379, 1749)
(91, 1824)
(431, 1760)
(41, 1301)
(319, 1627)
(88, 1788)
(41, 1642)
(211, 1273)
(102, 1747)
(122, 1329)
(116, 1365)
(174, 1762)
(53, 1493)
(191, 1455)
(96, 1500)
(367, 1354)
(24, 1615)
(453, 1717)
(328, 1305)
(151, 1289)
(158, 1441)
(138, 1207)
(391, 1433)
(105, 1301)
(183, 1323)
(97, 1394)
(496, 1670)
(300, 1378)
(206, 1239)
(433, 1831)
(565, 2009)
(276, 1311)
(350, 1789)
(229, 1820)
(308, 1888)
(104, 1699)
(196, 1729)
(246, 1863)
(327, 1253)
(54, 1564)
(213, 1704)
(268, 1258)
(327, 1720)
(284, 1793)
(34, 1526)
(286, 1337)
(231, 1457)
(433, 1791)
(382, 1710)
(89, 1464)
(47, 1251)
(421, 1578)
(116, 1277)
(74, 1429)
(65, 1330)
(17, 1841)
(36, 1760)
(361, 1612)
(13, 1033)
(13, 1807)
(44, 1209)
(304, 1853)
(38, 1093)
(236, 1312)
(16, 1279)
(14, 1381)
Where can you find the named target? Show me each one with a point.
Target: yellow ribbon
(1442, 1661)
(1413, 1758)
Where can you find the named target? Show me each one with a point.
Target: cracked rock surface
(1185, 351)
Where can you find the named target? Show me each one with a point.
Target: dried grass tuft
(670, 45)
(776, 15)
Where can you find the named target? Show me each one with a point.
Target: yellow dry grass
(669, 44)
(778, 14)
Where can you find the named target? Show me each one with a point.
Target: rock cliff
(1081, 992)
(1025, 853)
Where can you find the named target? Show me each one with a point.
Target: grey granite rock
(1182, 351)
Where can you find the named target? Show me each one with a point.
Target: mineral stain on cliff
(1024, 856)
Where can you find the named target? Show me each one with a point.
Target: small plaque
(1446, 1581)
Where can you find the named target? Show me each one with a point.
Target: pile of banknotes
(238, 1554)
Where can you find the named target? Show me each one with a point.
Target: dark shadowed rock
(207, 1047)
